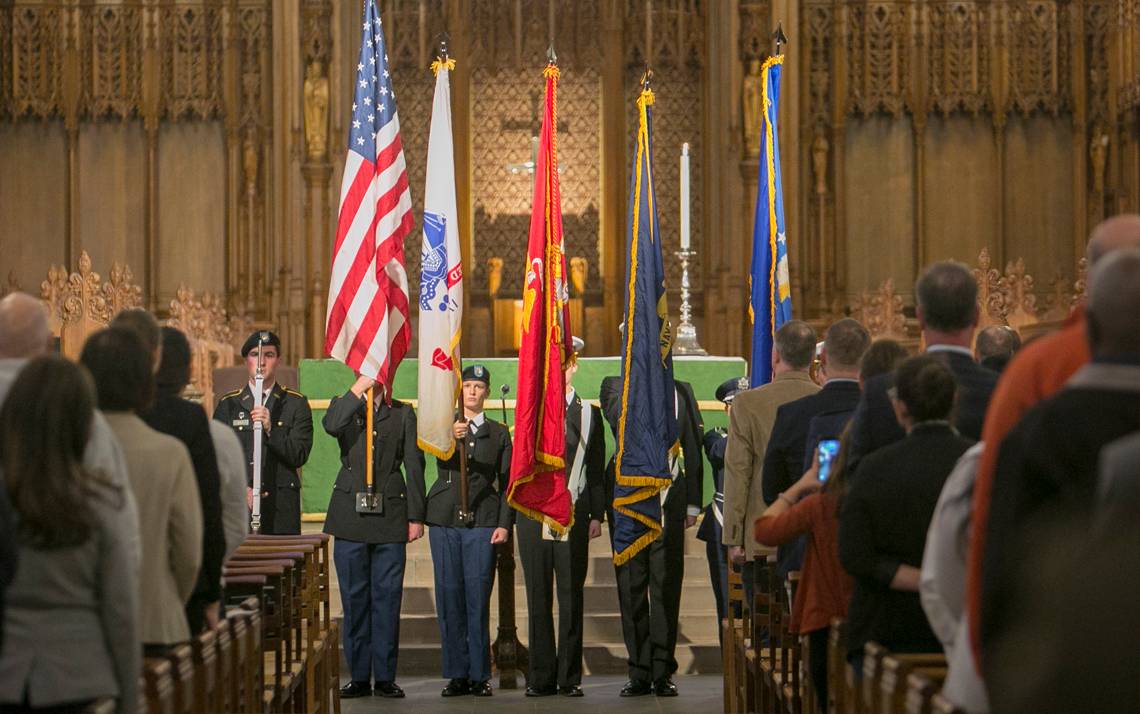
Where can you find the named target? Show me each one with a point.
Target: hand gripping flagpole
(258, 433)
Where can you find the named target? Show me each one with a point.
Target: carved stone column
(316, 51)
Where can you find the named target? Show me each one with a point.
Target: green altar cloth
(321, 380)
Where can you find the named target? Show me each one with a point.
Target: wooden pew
(158, 686)
(791, 673)
(733, 640)
(896, 668)
(224, 683)
(920, 690)
(204, 653)
(766, 624)
(837, 666)
(182, 670)
(939, 705)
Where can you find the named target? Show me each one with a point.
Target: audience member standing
(811, 510)
(162, 480)
(231, 472)
(170, 414)
(749, 427)
(789, 454)
(72, 615)
(887, 510)
(995, 347)
(947, 312)
(1037, 372)
(1046, 475)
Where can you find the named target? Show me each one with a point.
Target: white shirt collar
(951, 348)
(570, 396)
(840, 380)
(477, 420)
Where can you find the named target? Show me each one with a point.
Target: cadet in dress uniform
(649, 584)
(370, 549)
(463, 555)
(286, 440)
(712, 523)
(546, 555)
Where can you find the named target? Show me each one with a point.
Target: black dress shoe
(388, 689)
(572, 691)
(456, 688)
(544, 692)
(352, 690)
(636, 688)
(481, 689)
(664, 687)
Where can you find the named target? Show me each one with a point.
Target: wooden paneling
(111, 203)
(33, 209)
(960, 188)
(1039, 204)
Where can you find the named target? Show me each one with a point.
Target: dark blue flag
(770, 305)
(647, 429)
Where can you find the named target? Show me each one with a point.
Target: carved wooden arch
(80, 302)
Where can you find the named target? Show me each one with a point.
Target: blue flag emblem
(433, 262)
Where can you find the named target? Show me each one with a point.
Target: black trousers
(544, 563)
(649, 592)
(817, 647)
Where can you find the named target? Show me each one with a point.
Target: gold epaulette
(227, 395)
(295, 393)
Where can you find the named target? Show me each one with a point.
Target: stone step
(418, 570)
(602, 598)
(698, 628)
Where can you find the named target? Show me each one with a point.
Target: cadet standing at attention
(462, 544)
(287, 438)
(370, 548)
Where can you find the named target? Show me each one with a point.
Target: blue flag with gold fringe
(647, 427)
(770, 304)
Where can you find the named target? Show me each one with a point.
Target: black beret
(730, 388)
(477, 373)
(269, 338)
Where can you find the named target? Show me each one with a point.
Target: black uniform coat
(488, 471)
(591, 504)
(687, 487)
(283, 450)
(394, 427)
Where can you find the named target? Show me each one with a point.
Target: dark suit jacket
(8, 552)
(1045, 482)
(488, 473)
(394, 427)
(187, 422)
(687, 489)
(591, 504)
(882, 524)
(784, 459)
(874, 424)
(284, 450)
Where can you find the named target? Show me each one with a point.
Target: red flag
(538, 464)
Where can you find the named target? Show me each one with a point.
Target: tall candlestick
(685, 196)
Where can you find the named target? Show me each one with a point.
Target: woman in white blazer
(71, 621)
(162, 479)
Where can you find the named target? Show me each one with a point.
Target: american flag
(367, 326)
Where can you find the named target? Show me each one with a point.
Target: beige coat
(170, 524)
(750, 425)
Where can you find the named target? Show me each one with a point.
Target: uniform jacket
(488, 471)
(284, 450)
(749, 426)
(591, 504)
(170, 526)
(686, 491)
(394, 430)
(73, 617)
(716, 440)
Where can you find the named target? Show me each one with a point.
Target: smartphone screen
(828, 449)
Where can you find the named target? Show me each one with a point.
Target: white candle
(685, 196)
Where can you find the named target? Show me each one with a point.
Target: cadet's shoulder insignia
(228, 395)
(294, 393)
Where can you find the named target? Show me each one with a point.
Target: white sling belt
(577, 481)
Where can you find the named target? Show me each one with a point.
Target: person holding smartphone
(811, 507)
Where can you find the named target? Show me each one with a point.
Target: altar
(321, 380)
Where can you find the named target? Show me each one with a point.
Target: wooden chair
(158, 685)
(894, 671)
(920, 690)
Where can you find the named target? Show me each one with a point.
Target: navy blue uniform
(711, 525)
(369, 549)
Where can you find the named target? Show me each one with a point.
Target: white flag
(441, 282)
